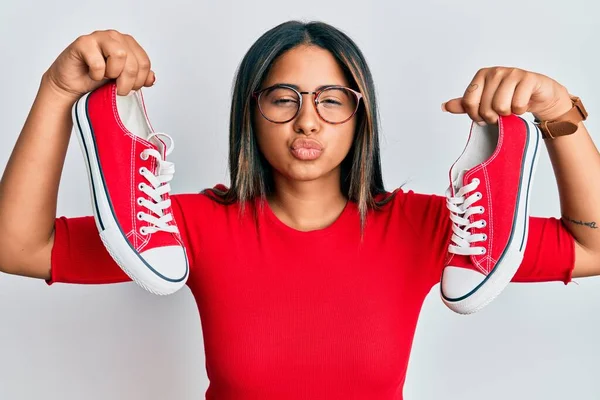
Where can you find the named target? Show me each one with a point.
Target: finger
(143, 62)
(126, 79)
(502, 101)
(472, 96)
(486, 109)
(150, 79)
(115, 54)
(454, 106)
(87, 50)
(522, 95)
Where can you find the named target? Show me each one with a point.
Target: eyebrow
(298, 88)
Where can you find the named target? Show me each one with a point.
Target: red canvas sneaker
(488, 199)
(129, 183)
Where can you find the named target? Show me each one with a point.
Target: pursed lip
(303, 143)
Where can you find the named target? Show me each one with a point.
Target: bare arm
(29, 184)
(576, 163)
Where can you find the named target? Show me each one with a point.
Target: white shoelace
(159, 186)
(461, 209)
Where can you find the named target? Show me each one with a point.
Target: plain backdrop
(70, 342)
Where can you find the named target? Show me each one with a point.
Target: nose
(307, 121)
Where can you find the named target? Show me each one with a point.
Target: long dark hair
(250, 173)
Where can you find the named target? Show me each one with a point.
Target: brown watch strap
(567, 123)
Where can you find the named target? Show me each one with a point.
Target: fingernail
(481, 123)
(444, 106)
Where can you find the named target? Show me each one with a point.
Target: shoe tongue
(155, 140)
(458, 182)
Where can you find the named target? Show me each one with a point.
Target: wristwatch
(566, 124)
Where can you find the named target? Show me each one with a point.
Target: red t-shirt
(290, 315)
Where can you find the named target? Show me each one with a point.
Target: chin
(305, 176)
(305, 172)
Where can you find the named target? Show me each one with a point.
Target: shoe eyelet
(139, 200)
(482, 209)
(483, 251)
(141, 170)
(484, 236)
(142, 156)
(139, 215)
(143, 231)
(483, 223)
(476, 180)
(478, 195)
(141, 186)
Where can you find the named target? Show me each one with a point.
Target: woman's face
(307, 67)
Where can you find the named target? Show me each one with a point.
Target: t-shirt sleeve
(549, 254)
(79, 256)
(429, 222)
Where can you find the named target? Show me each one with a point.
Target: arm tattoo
(590, 224)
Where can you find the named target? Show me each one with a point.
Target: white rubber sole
(509, 264)
(112, 237)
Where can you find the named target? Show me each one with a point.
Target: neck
(308, 205)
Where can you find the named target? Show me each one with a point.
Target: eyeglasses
(281, 103)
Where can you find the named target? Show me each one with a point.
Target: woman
(309, 276)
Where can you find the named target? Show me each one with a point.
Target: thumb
(454, 106)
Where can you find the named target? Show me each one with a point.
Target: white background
(536, 341)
